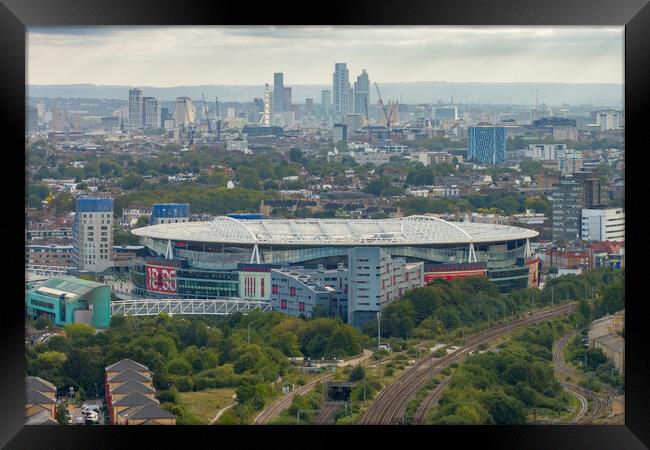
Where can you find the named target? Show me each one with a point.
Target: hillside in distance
(601, 95)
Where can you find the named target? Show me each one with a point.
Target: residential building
(428, 158)
(570, 162)
(565, 134)
(565, 257)
(339, 133)
(609, 120)
(545, 152)
(135, 108)
(40, 402)
(340, 89)
(376, 158)
(603, 224)
(170, 213)
(567, 202)
(48, 255)
(326, 101)
(152, 114)
(93, 234)
(486, 145)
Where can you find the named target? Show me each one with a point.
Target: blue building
(67, 299)
(170, 213)
(486, 145)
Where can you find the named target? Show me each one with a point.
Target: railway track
(599, 402)
(327, 414)
(390, 405)
(284, 402)
(429, 402)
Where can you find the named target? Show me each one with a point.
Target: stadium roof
(412, 230)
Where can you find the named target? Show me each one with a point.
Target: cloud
(181, 55)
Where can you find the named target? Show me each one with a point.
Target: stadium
(232, 257)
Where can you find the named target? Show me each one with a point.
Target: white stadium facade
(340, 267)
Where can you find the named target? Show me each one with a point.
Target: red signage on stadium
(160, 279)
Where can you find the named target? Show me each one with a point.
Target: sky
(189, 55)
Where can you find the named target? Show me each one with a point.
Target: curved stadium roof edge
(411, 230)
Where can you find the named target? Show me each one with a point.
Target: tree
(43, 322)
(131, 180)
(357, 373)
(62, 203)
(504, 409)
(142, 221)
(295, 155)
(179, 366)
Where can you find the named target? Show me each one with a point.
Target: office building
(184, 114)
(565, 134)
(165, 115)
(326, 101)
(152, 114)
(170, 213)
(92, 234)
(341, 89)
(309, 106)
(568, 202)
(362, 94)
(603, 224)
(298, 294)
(446, 113)
(135, 108)
(67, 299)
(376, 279)
(288, 104)
(486, 145)
(31, 116)
(278, 92)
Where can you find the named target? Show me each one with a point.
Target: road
(221, 411)
(390, 405)
(75, 412)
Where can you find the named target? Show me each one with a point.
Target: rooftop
(126, 364)
(72, 287)
(412, 230)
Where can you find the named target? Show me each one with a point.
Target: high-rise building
(287, 99)
(339, 132)
(362, 94)
(446, 113)
(164, 115)
(31, 116)
(92, 234)
(152, 113)
(341, 89)
(309, 106)
(486, 145)
(135, 108)
(266, 118)
(184, 113)
(278, 92)
(326, 101)
(603, 224)
(609, 120)
(571, 195)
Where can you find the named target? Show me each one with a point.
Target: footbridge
(171, 306)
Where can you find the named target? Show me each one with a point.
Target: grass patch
(205, 404)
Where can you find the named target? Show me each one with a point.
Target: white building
(93, 234)
(571, 162)
(609, 120)
(135, 108)
(603, 224)
(428, 158)
(237, 145)
(376, 158)
(546, 152)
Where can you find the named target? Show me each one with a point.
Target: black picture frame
(16, 15)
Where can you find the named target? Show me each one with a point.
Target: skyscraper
(287, 99)
(266, 118)
(571, 195)
(278, 92)
(486, 144)
(92, 234)
(135, 108)
(326, 101)
(152, 113)
(341, 89)
(184, 114)
(362, 94)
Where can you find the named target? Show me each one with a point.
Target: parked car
(80, 420)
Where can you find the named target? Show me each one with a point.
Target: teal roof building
(69, 299)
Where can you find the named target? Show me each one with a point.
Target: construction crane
(383, 107)
(206, 114)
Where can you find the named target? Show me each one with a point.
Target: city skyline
(171, 56)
